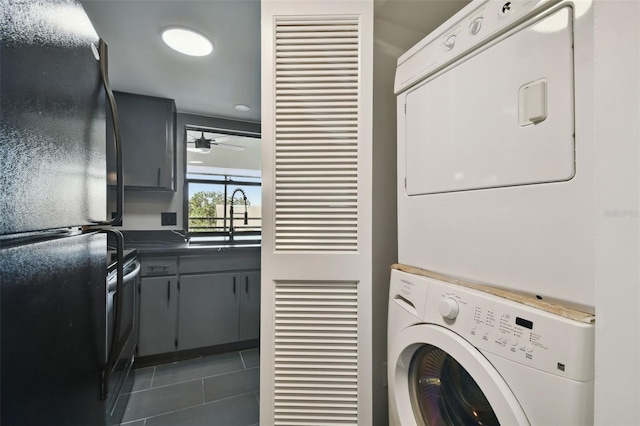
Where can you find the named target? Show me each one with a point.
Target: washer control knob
(448, 308)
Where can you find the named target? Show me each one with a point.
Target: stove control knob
(448, 308)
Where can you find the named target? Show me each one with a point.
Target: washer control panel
(473, 25)
(511, 330)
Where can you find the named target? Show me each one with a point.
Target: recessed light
(241, 107)
(187, 42)
(195, 162)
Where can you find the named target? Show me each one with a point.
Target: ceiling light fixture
(241, 107)
(187, 42)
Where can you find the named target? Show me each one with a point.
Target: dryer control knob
(450, 42)
(448, 308)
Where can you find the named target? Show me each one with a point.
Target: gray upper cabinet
(148, 131)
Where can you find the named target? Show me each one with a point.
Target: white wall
(617, 132)
(395, 29)
(390, 41)
(142, 208)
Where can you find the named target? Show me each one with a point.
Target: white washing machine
(461, 356)
(495, 149)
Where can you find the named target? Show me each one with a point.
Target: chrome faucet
(246, 216)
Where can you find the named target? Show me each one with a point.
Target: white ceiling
(139, 62)
(246, 156)
(418, 15)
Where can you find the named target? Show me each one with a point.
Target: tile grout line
(153, 385)
(153, 376)
(242, 359)
(191, 407)
(196, 378)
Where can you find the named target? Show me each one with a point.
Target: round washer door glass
(444, 393)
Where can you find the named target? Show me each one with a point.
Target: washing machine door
(438, 378)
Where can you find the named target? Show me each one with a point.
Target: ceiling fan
(203, 145)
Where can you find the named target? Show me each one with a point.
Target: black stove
(112, 258)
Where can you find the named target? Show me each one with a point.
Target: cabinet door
(148, 131)
(209, 305)
(250, 306)
(158, 310)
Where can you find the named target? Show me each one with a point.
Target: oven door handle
(113, 353)
(127, 278)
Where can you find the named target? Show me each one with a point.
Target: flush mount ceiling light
(187, 42)
(241, 107)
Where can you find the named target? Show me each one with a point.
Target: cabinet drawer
(232, 261)
(155, 266)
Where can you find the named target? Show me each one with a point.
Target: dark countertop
(186, 248)
(174, 243)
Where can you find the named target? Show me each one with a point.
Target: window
(223, 186)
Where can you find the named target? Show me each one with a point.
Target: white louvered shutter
(316, 353)
(316, 246)
(316, 134)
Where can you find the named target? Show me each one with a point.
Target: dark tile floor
(216, 390)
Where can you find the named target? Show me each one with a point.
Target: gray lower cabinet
(249, 327)
(158, 310)
(196, 301)
(209, 305)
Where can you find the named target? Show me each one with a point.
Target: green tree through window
(203, 216)
(202, 210)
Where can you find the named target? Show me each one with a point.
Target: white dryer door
(502, 116)
(438, 378)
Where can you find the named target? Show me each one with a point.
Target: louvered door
(316, 145)
(316, 353)
(316, 264)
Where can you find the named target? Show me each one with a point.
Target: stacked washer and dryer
(491, 311)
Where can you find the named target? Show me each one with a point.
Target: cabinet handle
(152, 268)
(246, 284)
(234, 285)
(159, 171)
(168, 291)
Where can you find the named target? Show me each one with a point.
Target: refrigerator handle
(104, 73)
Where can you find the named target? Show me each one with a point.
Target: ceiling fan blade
(228, 146)
(221, 138)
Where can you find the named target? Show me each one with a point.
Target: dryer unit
(461, 356)
(495, 149)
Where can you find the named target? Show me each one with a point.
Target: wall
(617, 132)
(142, 209)
(395, 30)
(390, 41)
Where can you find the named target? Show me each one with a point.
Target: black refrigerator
(56, 355)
